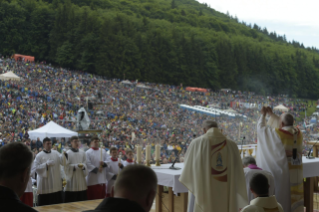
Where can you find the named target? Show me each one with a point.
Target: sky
(298, 20)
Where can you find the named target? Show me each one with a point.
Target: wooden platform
(68, 207)
(74, 206)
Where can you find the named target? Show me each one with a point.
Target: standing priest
(280, 152)
(47, 165)
(75, 171)
(213, 173)
(96, 159)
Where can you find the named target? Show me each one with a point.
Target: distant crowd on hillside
(128, 113)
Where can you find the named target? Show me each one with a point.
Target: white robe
(93, 158)
(263, 204)
(126, 163)
(271, 156)
(75, 176)
(249, 173)
(49, 177)
(112, 169)
(221, 185)
(29, 188)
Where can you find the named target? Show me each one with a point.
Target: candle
(138, 153)
(157, 152)
(101, 154)
(64, 162)
(148, 152)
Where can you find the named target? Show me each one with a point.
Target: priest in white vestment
(213, 173)
(250, 169)
(75, 171)
(49, 181)
(279, 151)
(96, 162)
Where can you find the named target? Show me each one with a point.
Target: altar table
(168, 177)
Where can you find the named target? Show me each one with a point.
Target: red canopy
(25, 57)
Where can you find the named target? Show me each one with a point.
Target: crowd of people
(131, 113)
(128, 113)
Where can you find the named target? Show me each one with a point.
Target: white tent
(9, 76)
(281, 108)
(126, 82)
(51, 129)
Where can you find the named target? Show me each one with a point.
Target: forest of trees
(164, 41)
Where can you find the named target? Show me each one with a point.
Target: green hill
(165, 41)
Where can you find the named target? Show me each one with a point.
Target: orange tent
(25, 57)
(196, 89)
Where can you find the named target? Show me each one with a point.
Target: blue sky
(298, 20)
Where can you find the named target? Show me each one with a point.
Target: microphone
(311, 157)
(174, 168)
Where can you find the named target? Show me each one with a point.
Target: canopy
(126, 82)
(51, 129)
(25, 57)
(9, 76)
(196, 89)
(281, 108)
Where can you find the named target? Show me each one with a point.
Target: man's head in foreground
(259, 185)
(15, 166)
(137, 183)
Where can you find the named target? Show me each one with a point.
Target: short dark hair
(138, 180)
(259, 184)
(95, 138)
(46, 139)
(112, 149)
(74, 138)
(128, 151)
(14, 159)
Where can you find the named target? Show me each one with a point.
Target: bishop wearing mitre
(280, 152)
(213, 173)
(96, 161)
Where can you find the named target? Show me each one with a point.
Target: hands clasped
(50, 162)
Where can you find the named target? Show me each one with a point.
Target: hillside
(165, 41)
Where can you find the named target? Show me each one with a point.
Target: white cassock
(49, 177)
(49, 181)
(273, 147)
(249, 173)
(75, 175)
(96, 181)
(31, 180)
(27, 197)
(128, 163)
(213, 173)
(112, 169)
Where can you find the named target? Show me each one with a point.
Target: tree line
(163, 41)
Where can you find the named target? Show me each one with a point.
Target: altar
(168, 177)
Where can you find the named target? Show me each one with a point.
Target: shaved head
(286, 119)
(137, 183)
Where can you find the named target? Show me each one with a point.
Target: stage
(78, 206)
(68, 207)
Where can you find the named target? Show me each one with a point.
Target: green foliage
(163, 41)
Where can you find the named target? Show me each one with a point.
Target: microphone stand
(174, 168)
(242, 142)
(311, 157)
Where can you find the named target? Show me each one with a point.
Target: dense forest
(164, 41)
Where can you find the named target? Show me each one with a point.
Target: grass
(310, 110)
